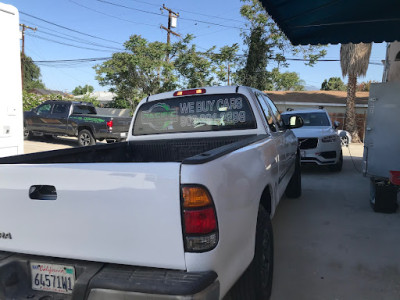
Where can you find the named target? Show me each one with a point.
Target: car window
(267, 113)
(275, 112)
(195, 114)
(60, 109)
(44, 109)
(312, 119)
(84, 110)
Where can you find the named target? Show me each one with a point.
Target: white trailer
(11, 114)
(382, 146)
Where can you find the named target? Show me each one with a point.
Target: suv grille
(308, 143)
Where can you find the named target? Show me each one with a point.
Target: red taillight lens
(201, 221)
(190, 92)
(200, 226)
(110, 123)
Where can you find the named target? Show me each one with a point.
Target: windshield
(310, 119)
(195, 114)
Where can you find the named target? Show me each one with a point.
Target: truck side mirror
(295, 122)
(336, 125)
(34, 110)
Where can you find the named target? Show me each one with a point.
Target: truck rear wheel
(85, 138)
(256, 281)
(293, 189)
(27, 133)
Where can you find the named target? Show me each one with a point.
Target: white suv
(319, 142)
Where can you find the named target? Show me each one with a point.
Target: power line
(191, 12)
(66, 44)
(111, 16)
(73, 60)
(66, 28)
(72, 37)
(212, 53)
(79, 41)
(159, 14)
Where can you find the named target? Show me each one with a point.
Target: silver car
(319, 141)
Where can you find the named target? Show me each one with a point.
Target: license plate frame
(54, 278)
(303, 153)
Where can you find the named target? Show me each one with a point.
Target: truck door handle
(42, 192)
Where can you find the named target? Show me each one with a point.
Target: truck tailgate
(121, 124)
(126, 213)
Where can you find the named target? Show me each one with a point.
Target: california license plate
(52, 278)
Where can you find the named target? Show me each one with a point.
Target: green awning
(336, 21)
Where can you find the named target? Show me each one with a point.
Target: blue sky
(106, 26)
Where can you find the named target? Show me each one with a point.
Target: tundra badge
(5, 236)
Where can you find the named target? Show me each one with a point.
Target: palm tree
(354, 59)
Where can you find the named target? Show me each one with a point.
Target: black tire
(256, 281)
(85, 138)
(338, 166)
(48, 137)
(293, 189)
(27, 134)
(383, 197)
(345, 141)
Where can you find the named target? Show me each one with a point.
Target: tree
(195, 68)
(79, 90)
(354, 59)
(31, 74)
(365, 86)
(225, 61)
(333, 84)
(266, 43)
(139, 71)
(287, 81)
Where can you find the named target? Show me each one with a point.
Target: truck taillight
(110, 124)
(200, 226)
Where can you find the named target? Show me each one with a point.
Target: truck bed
(189, 151)
(85, 203)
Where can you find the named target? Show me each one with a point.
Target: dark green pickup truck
(54, 118)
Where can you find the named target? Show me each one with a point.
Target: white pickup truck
(179, 211)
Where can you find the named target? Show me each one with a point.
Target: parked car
(80, 119)
(318, 139)
(182, 210)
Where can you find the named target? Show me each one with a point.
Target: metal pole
(24, 27)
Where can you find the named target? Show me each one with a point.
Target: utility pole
(171, 23)
(24, 27)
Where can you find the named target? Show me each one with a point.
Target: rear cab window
(199, 113)
(84, 110)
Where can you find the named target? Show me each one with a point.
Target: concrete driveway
(38, 144)
(330, 245)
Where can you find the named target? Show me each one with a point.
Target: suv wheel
(338, 166)
(85, 138)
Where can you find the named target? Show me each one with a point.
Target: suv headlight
(330, 138)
